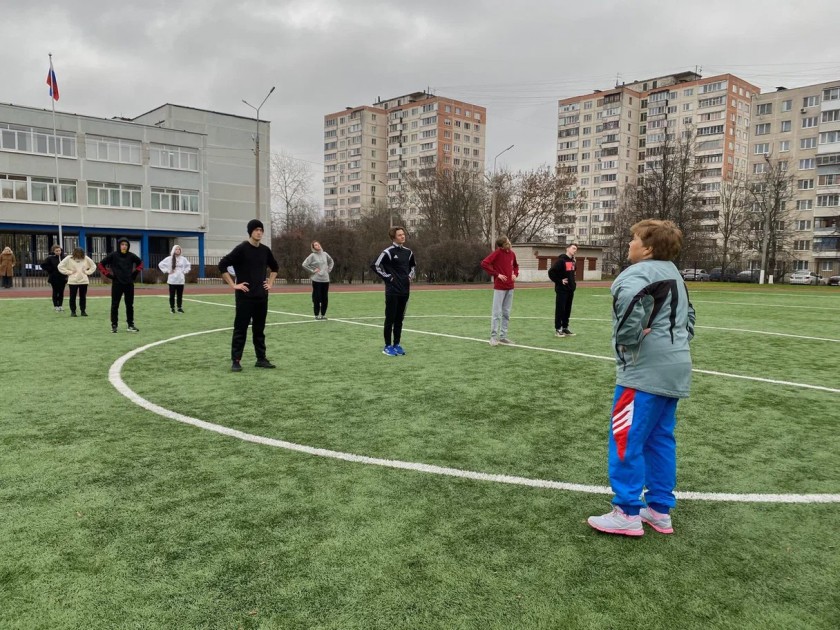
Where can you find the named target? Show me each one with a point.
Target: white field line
(115, 378)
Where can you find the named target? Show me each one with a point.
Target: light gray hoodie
(319, 260)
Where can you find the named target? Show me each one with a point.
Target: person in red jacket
(502, 265)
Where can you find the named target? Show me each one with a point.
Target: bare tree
(450, 203)
(771, 228)
(291, 191)
(733, 219)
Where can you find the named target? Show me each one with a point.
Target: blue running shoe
(399, 350)
(389, 350)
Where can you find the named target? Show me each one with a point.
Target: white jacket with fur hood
(178, 275)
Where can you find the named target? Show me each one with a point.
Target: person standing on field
(122, 266)
(77, 269)
(7, 267)
(249, 260)
(562, 274)
(57, 280)
(319, 263)
(501, 264)
(653, 322)
(176, 267)
(396, 266)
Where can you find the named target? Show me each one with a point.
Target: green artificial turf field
(113, 516)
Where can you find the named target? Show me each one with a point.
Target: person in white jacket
(177, 267)
(319, 263)
(78, 267)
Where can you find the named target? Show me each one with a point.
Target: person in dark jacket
(396, 266)
(57, 280)
(249, 260)
(501, 264)
(562, 274)
(122, 267)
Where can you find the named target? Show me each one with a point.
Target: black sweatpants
(176, 290)
(58, 292)
(562, 308)
(394, 313)
(253, 311)
(118, 292)
(82, 290)
(320, 297)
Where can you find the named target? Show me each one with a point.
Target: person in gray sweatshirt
(319, 263)
(653, 321)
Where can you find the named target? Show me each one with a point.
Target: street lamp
(257, 149)
(493, 201)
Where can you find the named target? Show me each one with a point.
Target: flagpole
(55, 153)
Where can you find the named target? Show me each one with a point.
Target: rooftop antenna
(617, 79)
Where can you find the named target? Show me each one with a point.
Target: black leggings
(320, 297)
(58, 292)
(394, 312)
(82, 289)
(252, 312)
(176, 290)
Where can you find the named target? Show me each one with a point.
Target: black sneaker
(235, 366)
(72, 313)
(113, 329)
(173, 310)
(180, 310)
(568, 332)
(132, 328)
(264, 363)
(84, 314)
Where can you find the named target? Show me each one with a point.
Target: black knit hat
(253, 224)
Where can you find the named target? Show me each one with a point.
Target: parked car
(695, 274)
(834, 281)
(805, 277)
(717, 275)
(750, 275)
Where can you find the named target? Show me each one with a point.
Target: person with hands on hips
(319, 263)
(122, 267)
(396, 266)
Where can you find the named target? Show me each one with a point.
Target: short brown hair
(663, 237)
(393, 231)
(500, 242)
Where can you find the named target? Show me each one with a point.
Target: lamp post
(493, 201)
(257, 150)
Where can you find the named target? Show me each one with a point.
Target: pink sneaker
(617, 522)
(660, 522)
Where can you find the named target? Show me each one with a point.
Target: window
(764, 108)
(38, 189)
(807, 163)
(762, 148)
(759, 168)
(805, 204)
(35, 140)
(787, 105)
(113, 195)
(829, 180)
(830, 137)
(801, 246)
(830, 116)
(784, 145)
(808, 143)
(809, 122)
(803, 226)
(181, 158)
(114, 149)
(805, 184)
(174, 200)
(831, 94)
(785, 126)
(810, 101)
(762, 129)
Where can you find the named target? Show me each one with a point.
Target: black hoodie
(122, 268)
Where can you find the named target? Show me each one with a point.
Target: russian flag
(52, 82)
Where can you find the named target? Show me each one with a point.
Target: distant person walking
(77, 270)
(250, 259)
(122, 267)
(397, 267)
(57, 280)
(502, 265)
(176, 267)
(7, 267)
(562, 274)
(319, 263)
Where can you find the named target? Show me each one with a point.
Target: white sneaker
(494, 341)
(559, 333)
(617, 522)
(660, 522)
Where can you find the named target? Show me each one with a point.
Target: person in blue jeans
(396, 266)
(653, 322)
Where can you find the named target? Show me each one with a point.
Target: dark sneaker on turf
(399, 350)
(389, 350)
(84, 314)
(507, 342)
(113, 329)
(660, 522)
(264, 363)
(559, 333)
(568, 332)
(180, 310)
(173, 310)
(235, 366)
(72, 313)
(132, 328)
(617, 522)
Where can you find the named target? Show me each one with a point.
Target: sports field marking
(115, 378)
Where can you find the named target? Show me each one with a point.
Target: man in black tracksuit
(249, 260)
(56, 279)
(395, 266)
(562, 274)
(122, 267)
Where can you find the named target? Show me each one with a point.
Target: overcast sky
(515, 58)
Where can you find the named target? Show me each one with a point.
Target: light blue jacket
(652, 294)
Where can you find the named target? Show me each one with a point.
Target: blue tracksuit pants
(642, 450)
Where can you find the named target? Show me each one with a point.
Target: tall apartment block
(370, 150)
(609, 137)
(801, 127)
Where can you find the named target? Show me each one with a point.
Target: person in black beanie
(57, 280)
(122, 267)
(249, 260)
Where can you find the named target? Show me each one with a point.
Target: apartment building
(609, 138)
(172, 174)
(370, 150)
(801, 127)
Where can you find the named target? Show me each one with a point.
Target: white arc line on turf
(115, 378)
